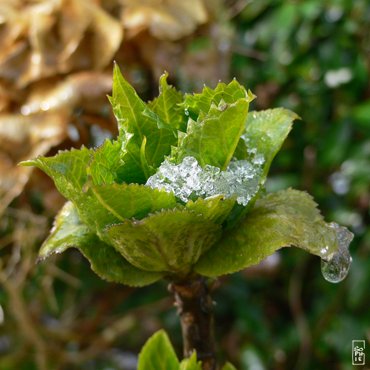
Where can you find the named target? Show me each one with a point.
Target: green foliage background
(313, 58)
(299, 44)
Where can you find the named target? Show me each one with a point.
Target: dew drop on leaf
(335, 268)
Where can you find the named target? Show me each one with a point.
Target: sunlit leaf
(67, 169)
(106, 162)
(167, 105)
(210, 141)
(230, 93)
(137, 123)
(126, 201)
(191, 363)
(158, 354)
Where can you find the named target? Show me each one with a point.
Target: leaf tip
(250, 96)
(28, 163)
(40, 259)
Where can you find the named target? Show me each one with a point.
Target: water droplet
(324, 251)
(335, 267)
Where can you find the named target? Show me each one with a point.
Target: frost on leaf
(188, 180)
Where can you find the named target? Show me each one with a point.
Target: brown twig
(195, 308)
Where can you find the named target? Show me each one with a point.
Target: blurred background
(56, 59)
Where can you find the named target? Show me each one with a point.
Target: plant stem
(195, 308)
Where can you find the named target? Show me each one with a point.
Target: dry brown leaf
(165, 19)
(107, 35)
(4, 99)
(24, 137)
(67, 94)
(45, 38)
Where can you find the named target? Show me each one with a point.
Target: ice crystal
(188, 180)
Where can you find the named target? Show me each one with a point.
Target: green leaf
(265, 132)
(67, 169)
(172, 240)
(158, 354)
(100, 206)
(228, 366)
(282, 219)
(135, 169)
(215, 209)
(106, 163)
(68, 231)
(191, 363)
(230, 93)
(213, 139)
(138, 123)
(264, 135)
(167, 105)
(132, 200)
(217, 120)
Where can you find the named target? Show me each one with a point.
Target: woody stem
(195, 308)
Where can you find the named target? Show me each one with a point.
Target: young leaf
(215, 209)
(100, 206)
(167, 105)
(106, 163)
(264, 135)
(67, 169)
(68, 231)
(282, 219)
(228, 366)
(135, 168)
(131, 200)
(158, 354)
(194, 104)
(213, 139)
(191, 363)
(137, 121)
(172, 240)
(265, 132)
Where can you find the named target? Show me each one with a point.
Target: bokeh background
(56, 60)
